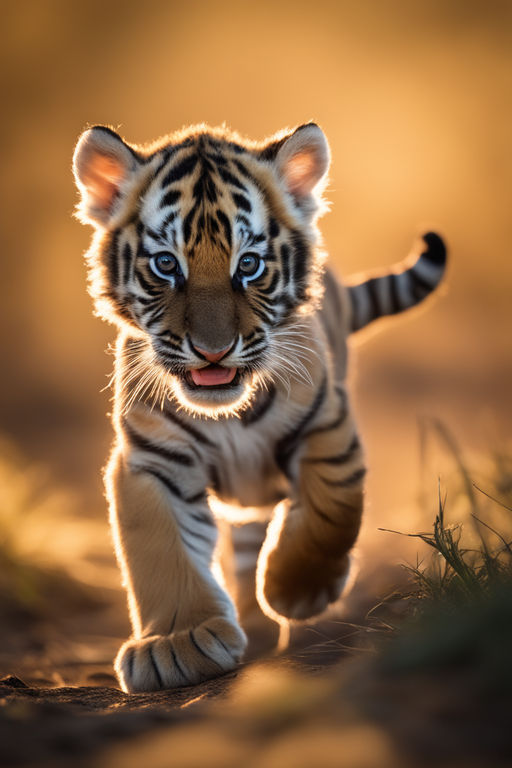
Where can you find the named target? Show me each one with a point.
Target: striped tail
(400, 289)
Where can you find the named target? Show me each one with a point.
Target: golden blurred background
(415, 99)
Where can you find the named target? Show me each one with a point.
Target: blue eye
(250, 266)
(165, 265)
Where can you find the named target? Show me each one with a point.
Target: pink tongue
(212, 376)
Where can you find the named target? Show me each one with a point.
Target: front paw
(184, 658)
(298, 588)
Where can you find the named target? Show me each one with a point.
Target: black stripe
(244, 171)
(242, 202)
(166, 156)
(127, 263)
(333, 288)
(168, 220)
(243, 220)
(288, 444)
(147, 445)
(253, 343)
(144, 300)
(236, 147)
(200, 650)
(213, 224)
(123, 307)
(187, 224)
(170, 198)
(228, 177)
(350, 480)
(157, 304)
(339, 458)
(374, 299)
(175, 348)
(197, 550)
(151, 310)
(356, 322)
(130, 662)
(172, 487)
(254, 354)
(171, 356)
(155, 317)
(416, 288)
(271, 288)
(262, 300)
(154, 665)
(147, 286)
(176, 663)
(322, 515)
(113, 260)
(436, 252)
(301, 257)
(226, 226)
(180, 170)
(273, 227)
(202, 517)
(396, 304)
(267, 303)
(187, 427)
(259, 408)
(205, 186)
(325, 517)
(173, 622)
(208, 166)
(154, 235)
(214, 478)
(285, 259)
(286, 303)
(217, 158)
(266, 316)
(339, 419)
(195, 534)
(196, 497)
(212, 193)
(220, 642)
(421, 281)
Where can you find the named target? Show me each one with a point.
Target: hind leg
(262, 632)
(185, 628)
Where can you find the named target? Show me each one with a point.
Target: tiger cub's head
(205, 251)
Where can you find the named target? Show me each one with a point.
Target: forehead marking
(214, 178)
(181, 169)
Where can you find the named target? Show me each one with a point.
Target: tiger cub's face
(205, 249)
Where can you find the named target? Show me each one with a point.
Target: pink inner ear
(301, 173)
(102, 179)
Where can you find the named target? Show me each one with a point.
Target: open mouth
(213, 376)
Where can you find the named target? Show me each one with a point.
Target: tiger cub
(229, 381)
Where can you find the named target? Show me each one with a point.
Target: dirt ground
(59, 698)
(330, 700)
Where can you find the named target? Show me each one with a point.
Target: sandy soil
(328, 701)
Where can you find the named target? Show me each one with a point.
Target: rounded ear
(104, 168)
(302, 160)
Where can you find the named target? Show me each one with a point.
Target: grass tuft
(458, 572)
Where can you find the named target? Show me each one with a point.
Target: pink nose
(212, 357)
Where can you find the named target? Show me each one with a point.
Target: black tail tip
(436, 249)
